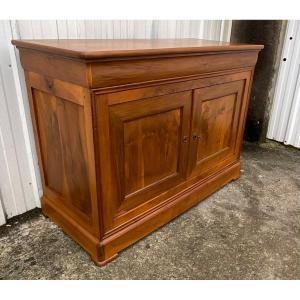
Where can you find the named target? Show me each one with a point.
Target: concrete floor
(250, 229)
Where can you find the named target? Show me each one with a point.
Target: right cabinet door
(216, 122)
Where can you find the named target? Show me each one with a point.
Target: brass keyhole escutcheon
(185, 139)
(49, 83)
(196, 137)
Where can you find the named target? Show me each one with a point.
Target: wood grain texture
(106, 48)
(165, 213)
(133, 70)
(54, 67)
(64, 139)
(151, 149)
(132, 141)
(216, 111)
(117, 72)
(63, 145)
(58, 88)
(149, 146)
(215, 126)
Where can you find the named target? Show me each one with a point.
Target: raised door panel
(149, 146)
(216, 111)
(150, 143)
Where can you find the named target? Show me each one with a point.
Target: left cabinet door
(148, 140)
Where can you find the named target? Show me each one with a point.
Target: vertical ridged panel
(18, 181)
(284, 124)
(122, 29)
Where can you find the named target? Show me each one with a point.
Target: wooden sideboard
(131, 133)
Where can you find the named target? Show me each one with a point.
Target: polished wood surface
(132, 133)
(214, 124)
(149, 147)
(62, 140)
(93, 49)
(134, 71)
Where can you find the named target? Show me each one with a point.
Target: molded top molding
(104, 48)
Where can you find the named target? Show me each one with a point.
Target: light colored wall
(19, 181)
(20, 187)
(213, 30)
(284, 124)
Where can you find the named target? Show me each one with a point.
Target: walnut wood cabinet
(131, 133)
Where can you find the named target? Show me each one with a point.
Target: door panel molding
(116, 111)
(137, 129)
(214, 141)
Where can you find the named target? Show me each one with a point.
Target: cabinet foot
(236, 177)
(237, 173)
(44, 215)
(102, 263)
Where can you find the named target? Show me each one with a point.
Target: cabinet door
(149, 146)
(215, 122)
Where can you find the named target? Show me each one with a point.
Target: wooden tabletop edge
(117, 53)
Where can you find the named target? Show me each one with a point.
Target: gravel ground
(249, 229)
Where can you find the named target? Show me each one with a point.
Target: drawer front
(148, 143)
(105, 74)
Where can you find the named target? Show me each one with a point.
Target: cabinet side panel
(62, 117)
(54, 66)
(63, 149)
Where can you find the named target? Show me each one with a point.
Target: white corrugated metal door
(284, 125)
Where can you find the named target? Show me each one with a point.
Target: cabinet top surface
(100, 48)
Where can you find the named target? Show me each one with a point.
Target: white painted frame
(284, 124)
